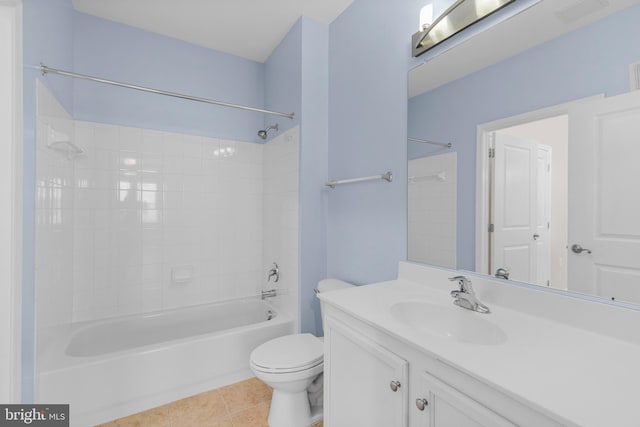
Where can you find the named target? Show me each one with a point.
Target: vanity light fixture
(460, 15)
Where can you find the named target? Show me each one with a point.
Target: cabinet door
(360, 379)
(444, 406)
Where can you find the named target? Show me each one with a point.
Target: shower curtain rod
(47, 70)
(426, 141)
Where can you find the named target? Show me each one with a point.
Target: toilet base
(292, 410)
(316, 414)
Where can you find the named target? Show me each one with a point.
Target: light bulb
(426, 16)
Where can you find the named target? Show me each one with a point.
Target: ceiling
(544, 21)
(248, 28)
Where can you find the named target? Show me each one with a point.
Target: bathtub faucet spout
(269, 294)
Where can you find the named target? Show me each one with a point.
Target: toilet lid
(289, 353)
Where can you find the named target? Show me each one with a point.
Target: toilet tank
(328, 285)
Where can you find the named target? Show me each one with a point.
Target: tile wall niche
(432, 209)
(161, 220)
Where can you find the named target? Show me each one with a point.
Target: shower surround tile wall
(149, 220)
(432, 213)
(155, 204)
(166, 220)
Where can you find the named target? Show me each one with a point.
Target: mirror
(544, 125)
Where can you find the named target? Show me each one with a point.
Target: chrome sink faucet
(465, 297)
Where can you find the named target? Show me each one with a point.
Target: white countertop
(583, 377)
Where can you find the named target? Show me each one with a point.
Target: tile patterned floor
(243, 404)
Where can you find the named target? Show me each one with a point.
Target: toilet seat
(288, 354)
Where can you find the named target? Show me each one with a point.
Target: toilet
(290, 364)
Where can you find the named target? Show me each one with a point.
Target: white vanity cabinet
(443, 406)
(374, 379)
(536, 360)
(368, 384)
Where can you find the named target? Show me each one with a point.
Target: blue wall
(313, 167)
(592, 60)
(296, 76)
(47, 38)
(123, 53)
(283, 80)
(369, 55)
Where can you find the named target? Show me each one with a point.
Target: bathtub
(113, 368)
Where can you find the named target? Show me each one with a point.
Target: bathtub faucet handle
(274, 272)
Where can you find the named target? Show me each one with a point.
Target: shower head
(263, 133)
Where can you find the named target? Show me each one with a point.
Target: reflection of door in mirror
(528, 202)
(594, 231)
(432, 201)
(604, 210)
(520, 200)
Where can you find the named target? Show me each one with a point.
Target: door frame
(11, 193)
(483, 141)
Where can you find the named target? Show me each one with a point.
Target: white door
(365, 384)
(513, 208)
(604, 197)
(520, 233)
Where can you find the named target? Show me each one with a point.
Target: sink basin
(453, 323)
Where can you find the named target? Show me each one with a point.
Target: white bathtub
(109, 369)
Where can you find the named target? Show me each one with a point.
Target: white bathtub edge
(103, 389)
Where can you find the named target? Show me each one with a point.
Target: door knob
(536, 236)
(394, 385)
(577, 249)
(421, 404)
